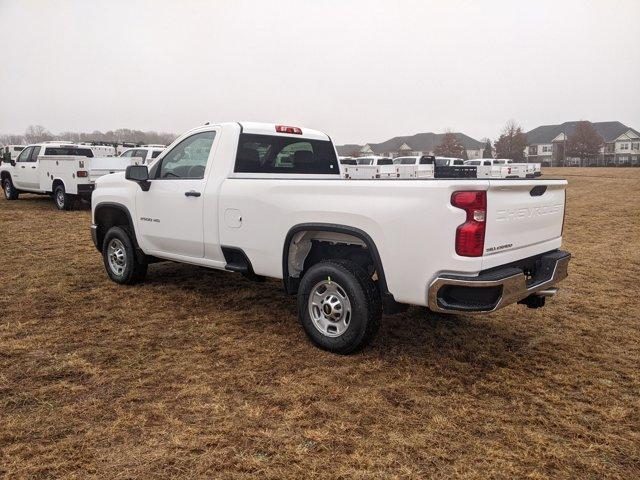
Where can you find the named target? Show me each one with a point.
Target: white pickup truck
(269, 201)
(145, 154)
(505, 167)
(64, 170)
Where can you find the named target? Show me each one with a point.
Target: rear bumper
(498, 287)
(85, 189)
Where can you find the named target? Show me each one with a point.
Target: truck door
(170, 213)
(19, 176)
(31, 177)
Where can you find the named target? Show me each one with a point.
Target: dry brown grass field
(199, 373)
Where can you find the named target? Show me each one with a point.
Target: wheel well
(107, 216)
(308, 245)
(4, 175)
(57, 182)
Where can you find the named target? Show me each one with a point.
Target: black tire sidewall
(353, 338)
(64, 205)
(9, 189)
(123, 236)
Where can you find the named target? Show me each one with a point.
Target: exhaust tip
(547, 292)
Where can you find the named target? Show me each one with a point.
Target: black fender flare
(121, 208)
(291, 284)
(55, 181)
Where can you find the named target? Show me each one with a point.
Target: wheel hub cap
(116, 256)
(329, 308)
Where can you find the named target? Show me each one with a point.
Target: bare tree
(584, 142)
(11, 139)
(450, 146)
(487, 152)
(37, 133)
(512, 142)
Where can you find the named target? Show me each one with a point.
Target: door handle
(21, 166)
(33, 167)
(192, 193)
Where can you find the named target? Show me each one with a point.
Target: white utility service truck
(269, 200)
(64, 170)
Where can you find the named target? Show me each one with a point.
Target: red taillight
(82, 174)
(286, 129)
(470, 235)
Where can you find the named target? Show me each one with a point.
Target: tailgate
(105, 165)
(523, 213)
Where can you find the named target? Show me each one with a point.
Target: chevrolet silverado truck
(65, 171)
(269, 200)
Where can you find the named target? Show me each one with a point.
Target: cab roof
(270, 129)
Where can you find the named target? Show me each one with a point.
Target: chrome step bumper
(497, 288)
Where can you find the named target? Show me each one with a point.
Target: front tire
(10, 192)
(120, 257)
(339, 306)
(62, 199)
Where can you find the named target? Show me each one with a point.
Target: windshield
(364, 161)
(404, 161)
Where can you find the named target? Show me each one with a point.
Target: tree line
(38, 133)
(585, 142)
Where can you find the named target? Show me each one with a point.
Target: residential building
(546, 144)
(419, 144)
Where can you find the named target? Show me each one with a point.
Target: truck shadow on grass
(479, 342)
(46, 201)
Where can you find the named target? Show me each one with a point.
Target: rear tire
(120, 257)
(62, 199)
(339, 306)
(10, 192)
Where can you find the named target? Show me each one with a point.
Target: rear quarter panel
(411, 222)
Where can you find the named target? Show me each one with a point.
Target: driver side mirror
(140, 175)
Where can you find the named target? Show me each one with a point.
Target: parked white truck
(269, 201)
(145, 154)
(64, 170)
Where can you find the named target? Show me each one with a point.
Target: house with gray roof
(546, 144)
(418, 144)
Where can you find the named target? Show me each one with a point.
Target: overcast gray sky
(359, 70)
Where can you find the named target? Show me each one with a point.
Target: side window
(128, 154)
(34, 154)
(188, 159)
(24, 156)
(141, 154)
(487, 163)
(156, 153)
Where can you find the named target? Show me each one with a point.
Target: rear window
(274, 154)
(155, 154)
(69, 151)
